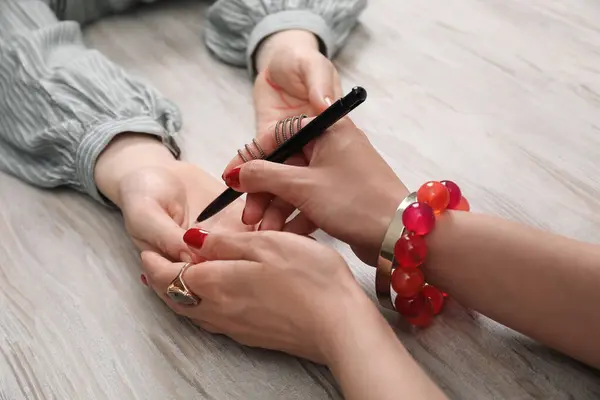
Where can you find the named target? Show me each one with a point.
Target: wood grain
(501, 96)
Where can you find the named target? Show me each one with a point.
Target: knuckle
(220, 251)
(213, 287)
(253, 169)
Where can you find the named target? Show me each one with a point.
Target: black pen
(313, 129)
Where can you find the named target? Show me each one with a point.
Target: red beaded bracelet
(416, 300)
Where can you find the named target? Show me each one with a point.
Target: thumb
(153, 225)
(288, 182)
(322, 82)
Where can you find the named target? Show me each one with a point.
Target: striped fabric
(62, 103)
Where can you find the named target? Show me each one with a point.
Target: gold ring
(179, 292)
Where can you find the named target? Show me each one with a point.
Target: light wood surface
(501, 96)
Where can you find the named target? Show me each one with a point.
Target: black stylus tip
(203, 216)
(360, 92)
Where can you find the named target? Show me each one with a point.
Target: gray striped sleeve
(236, 27)
(61, 103)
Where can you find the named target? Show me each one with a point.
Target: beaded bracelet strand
(416, 300)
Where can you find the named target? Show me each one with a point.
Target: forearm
(369, 361)
(543, 285)
(62, 104)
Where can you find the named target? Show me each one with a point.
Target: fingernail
(144, 280)
(328, 101)
(195, 237)
(232, 179)
(185, 257)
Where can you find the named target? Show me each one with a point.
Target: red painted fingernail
(144, 280)
(232, 179)
(195, 237)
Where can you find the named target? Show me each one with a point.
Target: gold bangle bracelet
(385, 263)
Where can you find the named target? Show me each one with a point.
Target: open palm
(294, 83)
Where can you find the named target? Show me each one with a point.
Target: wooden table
(501, 96)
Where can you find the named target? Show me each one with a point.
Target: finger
(300, 225)
(276, 215)
(221, 246)
(256, 205)
(160, 232)
(337, 84)
(266, 140)
(288, 182)
(207, 281)
(159, 273)
(318, 76)
(279, 210)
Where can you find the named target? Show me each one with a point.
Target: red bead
(435, 195)
(463, 205)
(423, 319)
(417, 310)
(410, 306)
(407, 282)
(418, 218)
(455, 194)
(435, 297)
(410, 250)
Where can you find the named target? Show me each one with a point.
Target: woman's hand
(273, 290)
(293, 78)
(347, 190)
(158, 195)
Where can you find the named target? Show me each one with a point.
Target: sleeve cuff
(100, 136)
(284, 20)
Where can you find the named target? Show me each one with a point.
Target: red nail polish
(144, 280)
(232, 179)
(195, 237)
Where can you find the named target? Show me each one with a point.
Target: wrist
(126, 153)
(346, 325)
(293, 38)
(359, 333)
(380, 216)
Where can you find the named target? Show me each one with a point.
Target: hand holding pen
(288, 147)
(325, 192)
